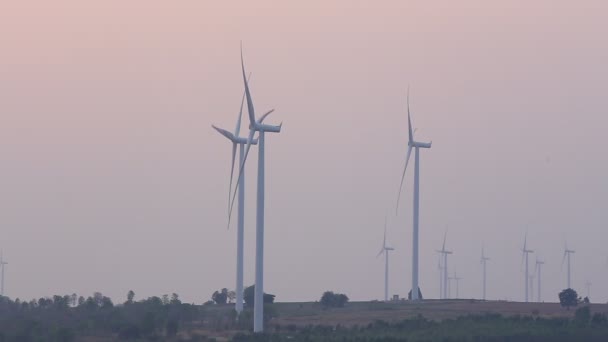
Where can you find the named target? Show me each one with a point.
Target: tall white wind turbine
(484, 259)
(539, 263)
(567, 253)
(2, 264)
(525, 251)
(444, 266)
(240, 142)
(262, 129)
(385, 250)
(412, 144)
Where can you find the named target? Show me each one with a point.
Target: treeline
(66, 318)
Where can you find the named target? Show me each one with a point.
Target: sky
(112, 178)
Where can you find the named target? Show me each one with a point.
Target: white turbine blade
(224, 132)
(241, 168)
(265, 115)
(409, 119)
(231, 175)
(564, 258)
(382, 251)
(407, 160)
(248, 94)
(238, 121)
(384, 240)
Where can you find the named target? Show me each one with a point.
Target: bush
(333, 300)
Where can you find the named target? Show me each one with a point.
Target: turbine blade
(241, 169)
(384, 240)
(444, 237)
(409, 119)
(224, 132)
(231, 176)
(247, 93)
(238, 121)
(407, 160)
(265, 115)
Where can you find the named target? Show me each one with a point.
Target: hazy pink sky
(112, 179)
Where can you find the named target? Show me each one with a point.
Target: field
(297, 316)
(361, 313)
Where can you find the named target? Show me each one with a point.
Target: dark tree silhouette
(568, 298)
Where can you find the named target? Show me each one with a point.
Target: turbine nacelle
(419, 144)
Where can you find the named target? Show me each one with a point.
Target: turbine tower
(539, 263)
(2, 264)
(241, 142)
(588, 285)
(525, 252)
(567, 253)
(483, 262)
(444, 267)
(262, 129)
(385, 250)
(412, 144)
(458, 279)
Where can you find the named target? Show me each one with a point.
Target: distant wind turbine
(417, 145)
(385, 250)
(567, 253)
(458, 279)
(588, 285)
(444, 266)
(261, 128)
(241, 142)
(539, 263)
(3, 265)
(525, 251)
(483, 262)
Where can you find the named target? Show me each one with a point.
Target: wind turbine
(458, 279)
(385, 250)
(539, 263)
(417, 145)
(588, 285)
(525, 252)
(240, 142)
(261, 128)
(567, 253)
(483, 262)
(444, 255)
(440, 268)
(2, 264)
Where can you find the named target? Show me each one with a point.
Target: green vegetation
(489, 327)
(333, 318)
(568, 298)
(333, 300)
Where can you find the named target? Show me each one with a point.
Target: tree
(249, 294)
(81, 300)
(231, 296)
(175, 299)
(165, 299)
(130, 297)
(333, 300)
(220, 297)
(568, 298)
